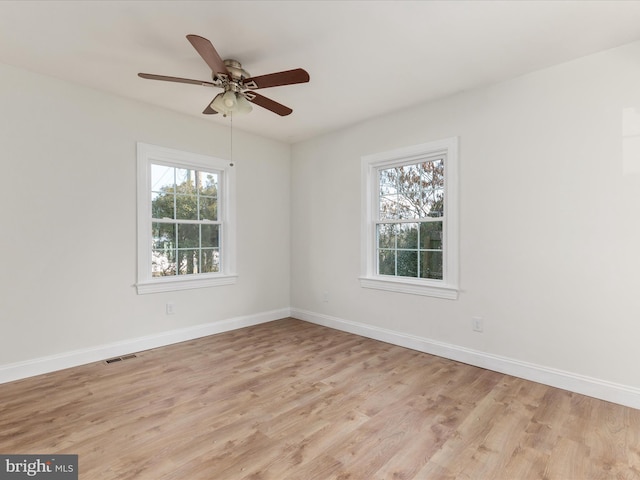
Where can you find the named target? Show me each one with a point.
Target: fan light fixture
(231, 102)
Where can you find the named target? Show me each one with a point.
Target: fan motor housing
(236, 70)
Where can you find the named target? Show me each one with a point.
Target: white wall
(550, 222)
(68, 240)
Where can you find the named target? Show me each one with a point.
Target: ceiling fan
(237, 84)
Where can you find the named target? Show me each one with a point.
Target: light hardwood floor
(289, 400)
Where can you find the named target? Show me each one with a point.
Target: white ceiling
(365, 58)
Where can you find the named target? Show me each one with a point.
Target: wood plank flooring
(289, 400)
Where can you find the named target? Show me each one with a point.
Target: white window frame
(152, 154)
(371, 164)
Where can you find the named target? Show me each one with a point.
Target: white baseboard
(593, 387)
(51, 363)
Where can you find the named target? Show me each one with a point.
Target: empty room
(320, 240)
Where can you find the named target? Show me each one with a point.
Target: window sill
(412, 287)
(173, 284)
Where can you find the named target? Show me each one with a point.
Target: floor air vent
(120, 359)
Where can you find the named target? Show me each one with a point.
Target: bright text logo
(44, 467)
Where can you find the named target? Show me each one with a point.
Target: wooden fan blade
(288, 77)
(208, 53)
(209, 110)
(151, 76)
(267, 103)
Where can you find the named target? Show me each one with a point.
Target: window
(186, 232)
(409, 228)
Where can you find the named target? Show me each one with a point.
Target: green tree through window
(185, 226)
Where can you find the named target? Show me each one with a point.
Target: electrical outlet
(325, 297)
(171, 308)
(477, 324)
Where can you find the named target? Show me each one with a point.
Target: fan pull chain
(231, 149)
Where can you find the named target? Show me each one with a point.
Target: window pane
(406, 208)
(162, 191)
(387, 235)
(188, 261)
(162, 178)
(207, 183)
(210, 236)
(188, 236)
(162, 205)
(163, 235)
(432, 173)
(431, 235)
(433, 203)
(163, 262)
(408, 235)
(408, 191)
(431, 265)
(432, 188)
(208, 208)
(389, 207)
(388, 181)
(407, 263)
(210, 259)
(186, 207)
(186, 180)
(386, 262)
